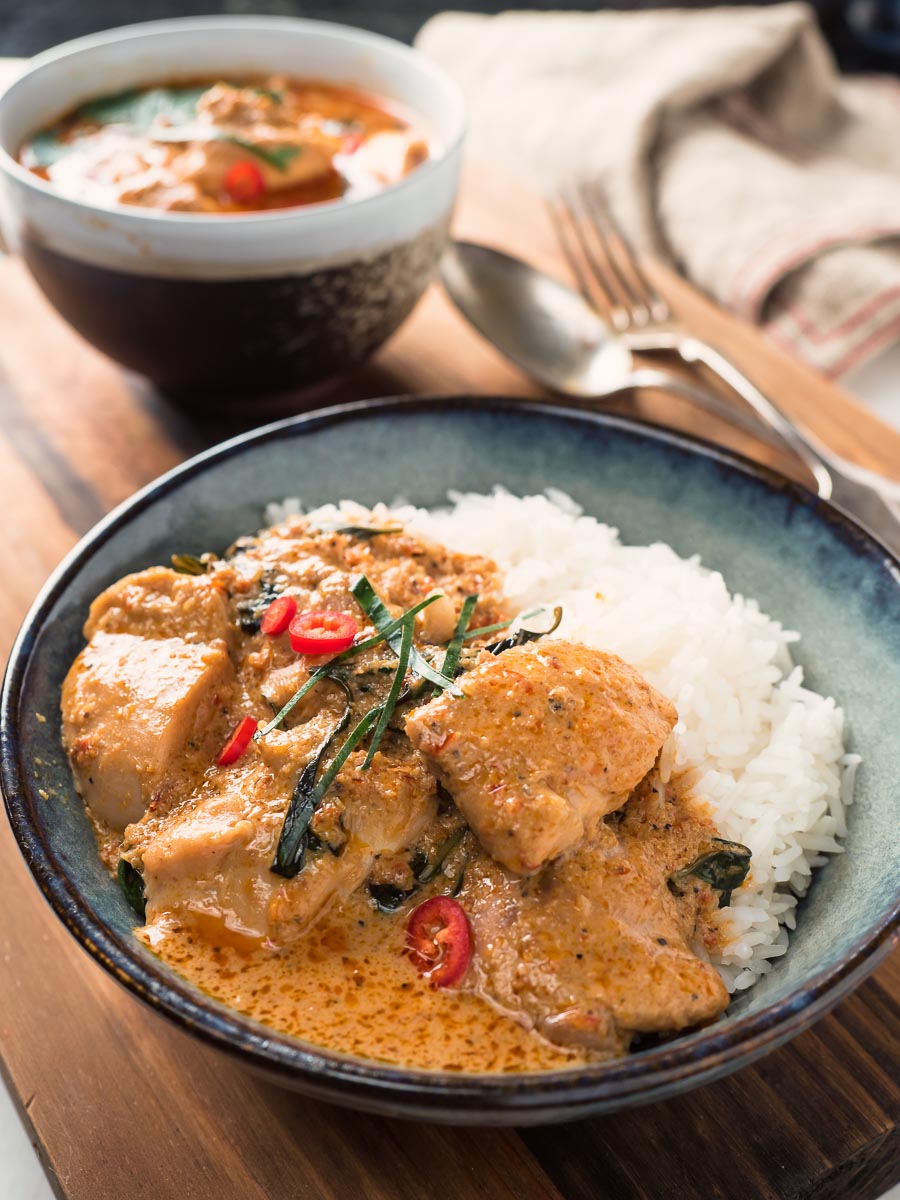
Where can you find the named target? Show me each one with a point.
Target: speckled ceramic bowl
(213, 305)
(809, 566)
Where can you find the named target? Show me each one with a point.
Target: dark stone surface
(27, 26)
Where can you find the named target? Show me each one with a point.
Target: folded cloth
(727, 142)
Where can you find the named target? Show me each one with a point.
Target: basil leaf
(724, 868)
(275, 156)
(139, 109)
(360, 531)
(292, 842)
(47, 148)
(188, 564)
(132, 884)
(387, 897)
(444, 851)
(294, 837)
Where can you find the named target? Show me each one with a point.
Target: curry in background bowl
(222, 146)
(231, 205)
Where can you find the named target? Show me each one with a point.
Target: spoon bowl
(539, 324)
(553, 335)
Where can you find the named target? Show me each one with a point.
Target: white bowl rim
(247, 221)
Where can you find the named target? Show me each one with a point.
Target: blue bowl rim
(686, 1061)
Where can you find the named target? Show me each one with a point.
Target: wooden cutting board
(122, 1105)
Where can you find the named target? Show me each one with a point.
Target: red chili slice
(238, 742)
(323, 632)
(278, 616)
(244, 182)
(439, 938)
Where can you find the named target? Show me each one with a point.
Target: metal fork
(610, 277)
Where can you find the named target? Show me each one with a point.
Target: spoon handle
(692, 350)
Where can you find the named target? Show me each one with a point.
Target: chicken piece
(598, 947)
(386, 808)
(162, 603)
(208, 866)
(548, 738)
(157, 188)
(136, 717)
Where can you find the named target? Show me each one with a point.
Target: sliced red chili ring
(439, 939)
(244, 182)
(322, 632)
(238, 742)
(278, 616)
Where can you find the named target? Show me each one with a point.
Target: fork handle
(692, 350)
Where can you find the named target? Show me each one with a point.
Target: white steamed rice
(764, 752)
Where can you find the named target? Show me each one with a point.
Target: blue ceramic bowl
(808, 565)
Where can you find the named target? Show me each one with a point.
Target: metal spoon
(550, 332)
(553, 335)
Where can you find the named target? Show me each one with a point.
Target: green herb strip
(322, 672)
(485, 629)
(132, 884)
(380, 617)
(294, 836)
(289, 857)
(387, 708)
(360, 531)
(454, 648)
(188, 564)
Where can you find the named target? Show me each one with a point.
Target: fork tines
(602, 260)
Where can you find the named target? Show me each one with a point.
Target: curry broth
(350, 986)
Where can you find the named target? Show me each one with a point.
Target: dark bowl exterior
(745, 520)
(201, 339)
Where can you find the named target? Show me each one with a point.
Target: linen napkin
(728, 144)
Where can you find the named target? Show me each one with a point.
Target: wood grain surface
(122, 1105)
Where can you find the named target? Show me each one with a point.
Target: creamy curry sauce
(226, 146)
(502, 883)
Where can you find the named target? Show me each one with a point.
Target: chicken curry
(226, 146)
(353, 797)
